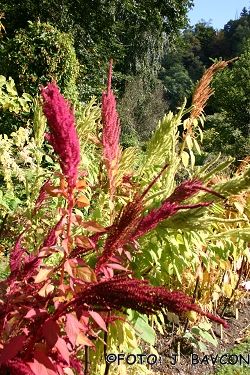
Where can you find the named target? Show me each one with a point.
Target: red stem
(70, 208)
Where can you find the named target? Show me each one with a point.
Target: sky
(219, 12)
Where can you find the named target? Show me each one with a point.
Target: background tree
(235, 31)
(232, 92)
(140, 111)
(221, 137)
(181, 68)
(206, 35)
(39, 54)
(131, 32)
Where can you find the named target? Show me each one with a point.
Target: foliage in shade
(16, 367)
(39, 53)
(101, 30)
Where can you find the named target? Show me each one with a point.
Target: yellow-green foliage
(16, 152)
(87, 127)
(9, 98)
(128, 159)
(39, 126)
(161, 150)
(88, 123)
(161, 147)
(39, 123)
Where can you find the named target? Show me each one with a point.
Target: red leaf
(68, 371)
(85, 274)
(46, 289)
(35, 312)
(93, 226)
(80, 184)
(76, 219)
(82, 241)
(69, 266)
(11, 349)
(51, 332)
(83, 340)
(38, 368)
(60, 369)
(108, 272)
(128, 255)
(54, 191)
(44, 274)
(93, 244)
(62, 347)
(116, 266)
(99, 320)
(42, 364)
(82, 201)
(85, 319)
(72, 328)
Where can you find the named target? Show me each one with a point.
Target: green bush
(219, 136)
(236, 369)
(39, 54)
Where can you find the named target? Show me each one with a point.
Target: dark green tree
(232, 92)
(178, 86)
(221, 137)
(140, 111)
(206, 35)
(181, 69)
(131, 32)
(235, 31)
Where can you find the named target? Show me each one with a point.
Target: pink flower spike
(62, 134)
(110, 133)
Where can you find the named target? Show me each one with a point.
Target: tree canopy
(38, 54)
(131, 32)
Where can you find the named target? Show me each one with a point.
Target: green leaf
(204, 325)
(27, 97)
(189, 141)
(185, 158)
(188, 335)
(202, 347)
(178, 274)
(197, 146)
(147, 332)
(10, 86)
(159, 326)
(192, 158)
(3, 204)
(2, 80)
(196, 330)
(48, 159)
(208, 337)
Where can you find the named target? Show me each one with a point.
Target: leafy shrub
(219, 136)
(38, 55)
(241, 349)
(13, 108)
